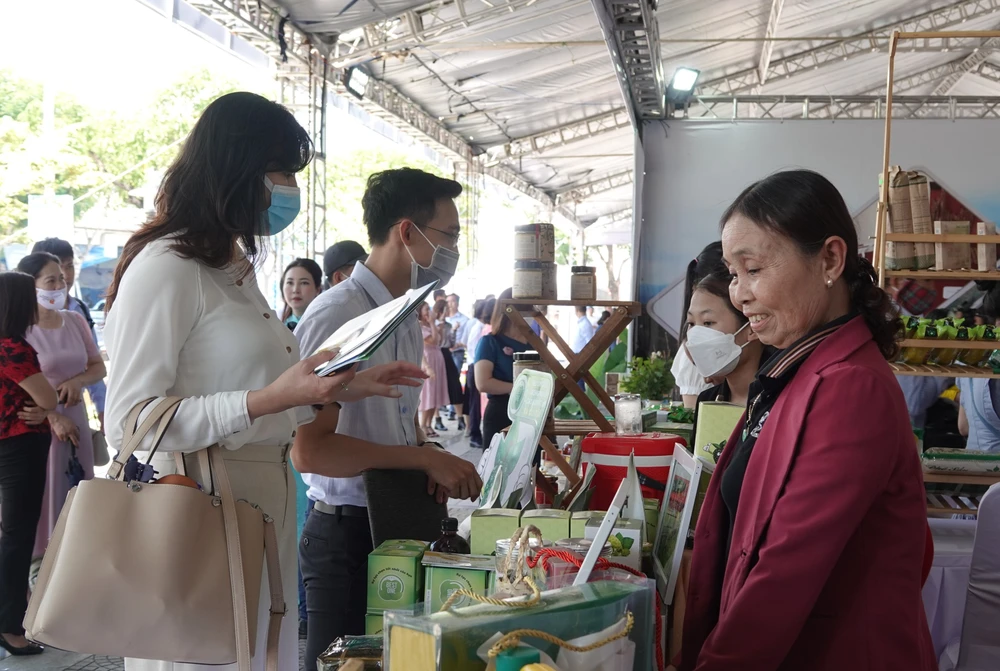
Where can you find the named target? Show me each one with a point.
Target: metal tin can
(535, 242)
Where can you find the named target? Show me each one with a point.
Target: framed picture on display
(675, 518)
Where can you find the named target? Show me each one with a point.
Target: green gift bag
(450, 640)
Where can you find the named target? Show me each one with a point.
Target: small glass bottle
(450, 542)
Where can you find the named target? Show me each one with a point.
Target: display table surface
(946, 586)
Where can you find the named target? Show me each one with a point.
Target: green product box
(578, 523)
(374, 622)
(395, 576)
(652, 510)
(448, 573)
(416, 545)
(490, 525)
(552, 522)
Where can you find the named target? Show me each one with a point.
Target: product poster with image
(510, 455)
(675, 518)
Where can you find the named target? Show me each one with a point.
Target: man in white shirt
(413, 228)
(460, 325)
(584, 330)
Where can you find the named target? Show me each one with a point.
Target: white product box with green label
(552, 522)
(625, 540)
(395, 576)
(445, 574)
(490, 525)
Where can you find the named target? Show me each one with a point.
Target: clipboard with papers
(359, 338)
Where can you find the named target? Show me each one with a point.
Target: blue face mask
(286, 201)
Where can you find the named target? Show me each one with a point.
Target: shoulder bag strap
(165, 411)
(237, 580)
(277, 593)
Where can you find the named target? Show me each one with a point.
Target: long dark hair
(18, 305)
(214, 194)
(805, 207)
(312, 268)
(500, 320)
(708, 262)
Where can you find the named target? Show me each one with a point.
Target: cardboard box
(952, 255)
(626, 541)
(490, 525)
(374, 622)
(987, 252)
(448, 573)
(395, 576)
(578, 522)
(552, 522)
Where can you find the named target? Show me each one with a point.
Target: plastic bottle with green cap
(515, 659)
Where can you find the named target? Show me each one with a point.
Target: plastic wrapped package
(366, 649)
(979, 357)
(450, 641)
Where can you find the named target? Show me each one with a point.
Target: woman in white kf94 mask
(723, 349)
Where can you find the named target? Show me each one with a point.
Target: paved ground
(56, 660)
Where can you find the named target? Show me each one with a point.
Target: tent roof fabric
(496, 71)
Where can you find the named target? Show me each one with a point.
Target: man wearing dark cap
(339, 260)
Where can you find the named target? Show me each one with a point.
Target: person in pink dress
(435, 391)
(70, 361)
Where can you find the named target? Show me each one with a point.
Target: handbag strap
(163, 413)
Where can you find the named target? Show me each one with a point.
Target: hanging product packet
(978, 357)
(947, 329)
(917, 356)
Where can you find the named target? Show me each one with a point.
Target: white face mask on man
(715, 354)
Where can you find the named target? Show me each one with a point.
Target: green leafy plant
(621, 546)
(650, 378)
(680, 415)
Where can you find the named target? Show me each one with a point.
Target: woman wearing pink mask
(70, 361)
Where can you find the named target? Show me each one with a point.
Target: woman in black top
(711, 308)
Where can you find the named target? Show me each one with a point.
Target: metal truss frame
(533, 145)
(965, 66)
(827, 54)
(601, 185)
(265, 28)
(633, 37)
(787, 108)
(400, 33)
(764, 64)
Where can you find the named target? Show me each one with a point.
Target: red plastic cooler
(609, 453)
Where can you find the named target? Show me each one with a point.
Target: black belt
(340, 511)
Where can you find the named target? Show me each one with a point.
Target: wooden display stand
(566, 378)
(883, 237)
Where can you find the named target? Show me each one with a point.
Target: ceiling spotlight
(356, 81)
(684, 80)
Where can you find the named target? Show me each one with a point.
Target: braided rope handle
(545, 554)
(513, 639)
(536, 597)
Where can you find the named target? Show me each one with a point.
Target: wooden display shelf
(967, 275)
(961, 478)
(930, 370)
(950, 344)
(938, 504)
(971, 238)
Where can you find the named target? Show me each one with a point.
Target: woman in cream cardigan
(188, 319)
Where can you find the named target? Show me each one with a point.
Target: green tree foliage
(89, 147)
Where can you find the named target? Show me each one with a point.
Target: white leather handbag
(158, 571)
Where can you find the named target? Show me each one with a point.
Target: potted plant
(650, 378)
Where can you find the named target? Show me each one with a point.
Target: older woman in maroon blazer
(810, 545)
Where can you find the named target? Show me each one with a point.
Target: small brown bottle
(450, 542)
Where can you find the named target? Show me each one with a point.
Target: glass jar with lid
(509, 568)
(528, 280)
(583, 283)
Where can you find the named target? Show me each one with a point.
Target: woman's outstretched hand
(383, 381)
